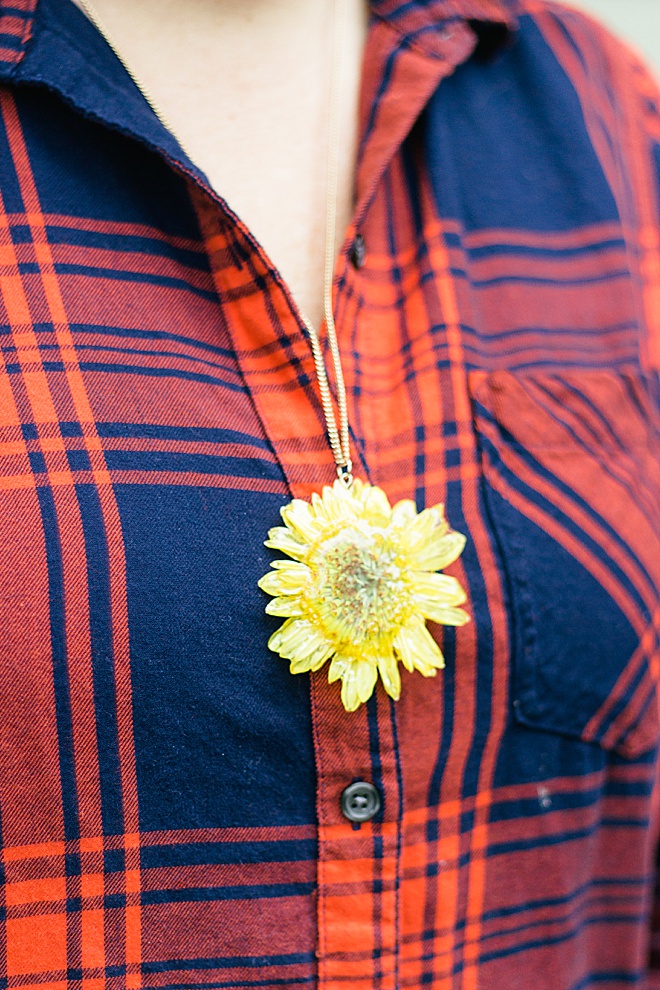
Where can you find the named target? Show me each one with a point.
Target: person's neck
(245, 85)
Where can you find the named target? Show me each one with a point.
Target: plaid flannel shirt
(169, 794)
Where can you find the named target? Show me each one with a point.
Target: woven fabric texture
(169, 794)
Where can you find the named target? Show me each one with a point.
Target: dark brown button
(360, 801)
(358, 251)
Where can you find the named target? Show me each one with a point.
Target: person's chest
(170, 407)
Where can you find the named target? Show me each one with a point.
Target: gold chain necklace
(362, 579)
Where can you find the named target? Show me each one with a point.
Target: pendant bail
(345, 473)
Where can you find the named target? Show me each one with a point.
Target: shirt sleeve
(648, 95)
(654, 976)
(624, 123)
(639, 116)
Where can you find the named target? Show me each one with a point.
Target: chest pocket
(571, 468)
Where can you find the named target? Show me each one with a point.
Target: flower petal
(418, 649)
(299, 517)
(449, 616)
(358, 682)
(428, 522)
(337, 507)
(438, 550)
(434, 592)
(296, 639)
(338, 502)
(288, 577)
(286, 607)
(376, 505)
(281, 538)
(338, 667)
(315, 660)
(367, 675)
(349, 693)
(271, 583)
(403, 513)
(390, 676)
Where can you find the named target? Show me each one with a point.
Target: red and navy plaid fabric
(169, 794)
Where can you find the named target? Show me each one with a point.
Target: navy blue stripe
(188, 434)
(12, 198)
(228, 962)
(538, 335)
(563, 920)
(113, 275)
(12, 41)
(238, 892)
(525, 845)
(540, 842)
(475, 340)
(555, 512)
(100, 618)
(127, 369)
(540, 501)
(611, 976)
(496, 249)
(84, 349)
(19, 12)
(568, 37)
(531, 807)
(141, 352)
(650, 698)
(531, 280)
(547, 941)
(59, 662)
(420, 464)
(133, 333)
(376, 763)
(488, 352)
(237, 467)
(375, 106)
(577, 910)
(606, 363)
(124, 244)
(551, 410)
(213, 853)
(479, 596)
(540, 904)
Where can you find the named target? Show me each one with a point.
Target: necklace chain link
(338, 433)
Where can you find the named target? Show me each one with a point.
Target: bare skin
(246, 87)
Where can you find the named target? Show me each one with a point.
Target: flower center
(359, 590)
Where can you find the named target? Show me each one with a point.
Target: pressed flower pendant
(360, 586)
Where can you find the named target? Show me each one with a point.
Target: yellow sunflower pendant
(361, 586)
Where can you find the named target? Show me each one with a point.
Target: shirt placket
(358, 875)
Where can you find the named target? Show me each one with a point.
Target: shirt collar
(51, 43)
(416, 21)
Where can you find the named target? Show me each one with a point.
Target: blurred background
(638, 21)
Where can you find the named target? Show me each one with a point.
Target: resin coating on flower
(360, 586)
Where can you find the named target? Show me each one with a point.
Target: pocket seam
(642, 734)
